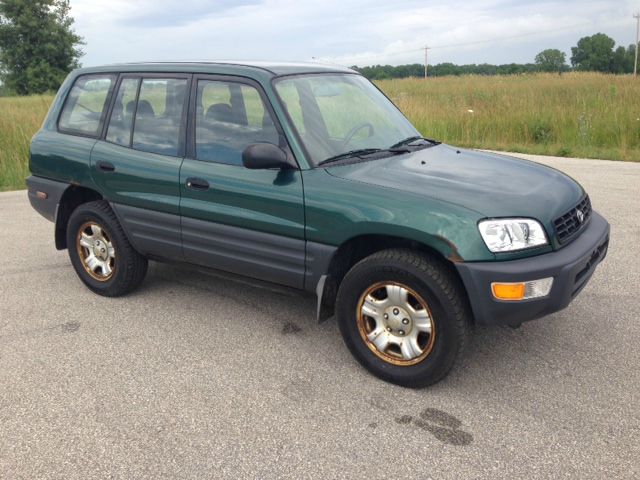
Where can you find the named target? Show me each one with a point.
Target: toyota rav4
(308, 176)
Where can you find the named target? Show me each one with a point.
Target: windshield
(339, 113)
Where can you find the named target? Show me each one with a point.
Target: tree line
(595, 53)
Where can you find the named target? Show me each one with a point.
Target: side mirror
(265, 155)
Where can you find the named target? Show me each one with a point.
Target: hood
(490, 184)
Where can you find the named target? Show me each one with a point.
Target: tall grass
(587, 115)
(20, 118)
(577, 114)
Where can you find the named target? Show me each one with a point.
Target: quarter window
(85, 104)
(158, 116)
(230, 117)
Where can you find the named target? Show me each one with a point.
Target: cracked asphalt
(200, 375)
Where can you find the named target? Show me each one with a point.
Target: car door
(245, 221)
(137, 162)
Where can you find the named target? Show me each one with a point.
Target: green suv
(309, 177)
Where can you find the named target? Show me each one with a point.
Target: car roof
(229, 67)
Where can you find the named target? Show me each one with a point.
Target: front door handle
(106, 166)
(197, 184)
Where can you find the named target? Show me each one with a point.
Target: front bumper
(571, 268)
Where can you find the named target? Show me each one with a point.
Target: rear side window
(85, 105)
(157, 122)
(119, 130)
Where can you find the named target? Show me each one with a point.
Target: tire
(116, 267)
(433, 301)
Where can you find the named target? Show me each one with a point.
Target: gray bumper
(44, 195)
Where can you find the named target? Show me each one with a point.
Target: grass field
(575, 115)
(586, 115)
(20, 118)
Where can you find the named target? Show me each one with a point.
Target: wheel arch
(72, 198)
(359, 247)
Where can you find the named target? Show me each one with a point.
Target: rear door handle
(106, 166)
(197, 184)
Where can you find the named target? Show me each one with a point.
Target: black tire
(432, 280)
(129, 267)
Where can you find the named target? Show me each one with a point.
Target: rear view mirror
(265, 155)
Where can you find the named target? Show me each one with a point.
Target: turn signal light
(508, 291)
(522, 290)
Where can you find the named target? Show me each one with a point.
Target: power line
(511, 37)
(465, 44)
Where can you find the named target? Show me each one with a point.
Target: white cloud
(346, 32)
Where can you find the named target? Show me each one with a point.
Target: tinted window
(158, 115)
(230, 117)
(119, 130)
(85, 104)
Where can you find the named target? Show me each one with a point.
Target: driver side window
(229, 117)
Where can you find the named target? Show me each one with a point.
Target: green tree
(551, 60)
(594, 53)
(623, 58)
(38, 46)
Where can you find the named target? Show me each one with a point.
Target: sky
(345, 32)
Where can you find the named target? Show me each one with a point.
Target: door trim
(150, 232)
(251, 253)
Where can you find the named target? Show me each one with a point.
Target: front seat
(221, 112)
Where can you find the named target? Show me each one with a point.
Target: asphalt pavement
(200, 375)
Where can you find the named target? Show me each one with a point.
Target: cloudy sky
(347, 32)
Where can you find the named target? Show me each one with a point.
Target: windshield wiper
(349, 154)
(409, 140)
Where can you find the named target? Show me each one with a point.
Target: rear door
(235, 219)
(137, 163)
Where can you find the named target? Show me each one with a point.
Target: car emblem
(580, 215)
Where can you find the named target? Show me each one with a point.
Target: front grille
(568, 225)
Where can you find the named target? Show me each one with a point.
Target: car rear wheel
(404, 316)
(101, 253)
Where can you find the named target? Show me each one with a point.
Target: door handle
(197, 184)
(106, 166)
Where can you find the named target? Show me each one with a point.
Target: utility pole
(426, 60)
(635, 63)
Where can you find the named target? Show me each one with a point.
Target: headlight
(510, 234)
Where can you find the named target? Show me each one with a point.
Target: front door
(244, 221)
(137, 164)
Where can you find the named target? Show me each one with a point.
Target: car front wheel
(404, 316)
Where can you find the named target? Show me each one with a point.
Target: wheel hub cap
(395, 323)
(96, 251)
(398, 320)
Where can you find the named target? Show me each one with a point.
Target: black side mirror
(265, 155)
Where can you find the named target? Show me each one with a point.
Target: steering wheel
(355, 130)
